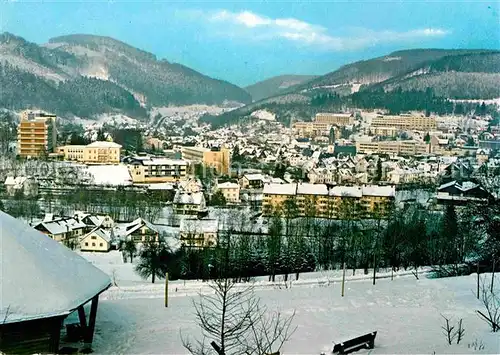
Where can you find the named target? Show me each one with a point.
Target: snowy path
(193, 287)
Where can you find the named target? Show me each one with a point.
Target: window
(86, 244)
(93, 244)
(100, 244)
(93, 237)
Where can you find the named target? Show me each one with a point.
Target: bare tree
(234, 322)
(448, 330)
(460, 331)
(491, 302)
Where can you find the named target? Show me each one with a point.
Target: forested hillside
(82, 96)
(83, 75)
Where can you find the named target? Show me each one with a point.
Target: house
(44, 282)
(252, 181)
(94, 221)
(26, 185)
(459, 194)
(141, 231)
(189, 203)
(199, 233)
(230, 190)
(96, 240)
(63, 229)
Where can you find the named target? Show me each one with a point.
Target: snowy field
(406, 312)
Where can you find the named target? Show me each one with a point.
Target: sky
(247, 41)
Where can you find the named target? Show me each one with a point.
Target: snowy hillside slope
(406, 313)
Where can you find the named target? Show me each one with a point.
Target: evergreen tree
(130, 248)
(153, 260)
(218, 199)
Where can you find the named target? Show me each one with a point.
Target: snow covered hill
(406, 312)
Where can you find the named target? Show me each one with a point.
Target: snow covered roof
(137, 224)
(349, 191)
(312, 189)
(228, 185)
(61, 225)
(113, 175)
(161, 186)
(164, 161)
(104, 144)
(99, 232)
(40, 277)
(388, 191)
(251, 177)
(194, 198)
(17, 182)
(280, 189)
(199, 226)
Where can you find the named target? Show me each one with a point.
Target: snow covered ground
(406, 312)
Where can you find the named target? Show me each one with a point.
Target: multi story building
(198, 233)
(217, 158)
(189, 203)
(275, 196)
(314, 129)
(406, 122)
(335, 119)
(316, 200)
(36, 134)
(384, 131)
(408, 147)
(230, 191)
(312, 199)
(147, 170)
(93, 153)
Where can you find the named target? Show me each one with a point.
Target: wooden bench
(364, 341)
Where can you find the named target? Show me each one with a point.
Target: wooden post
(478, 280)
(89, 332)
(343, 280)
(493, 274)
(374, 266)
(81, 316)
(166, 290)
(55, 335)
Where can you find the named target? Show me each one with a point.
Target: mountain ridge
(275, 85)
(474, 74)
(121, 74)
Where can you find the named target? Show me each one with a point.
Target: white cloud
(251, 25)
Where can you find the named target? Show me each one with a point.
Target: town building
(43, 283)
(101, 152)
(404, 147)
(216, 158)
(384, 131)
(316, 200)
(66, 230)
(189, 203)
(36, 134)
(405, 122)
(98, 240)
(25, 185)
(147, 170)
(199, 233)
(335, 119)
(94, 221)
(141, 231)
(230, 191)
(252, 181)
(460, 194)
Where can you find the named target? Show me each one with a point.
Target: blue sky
(247, 41)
